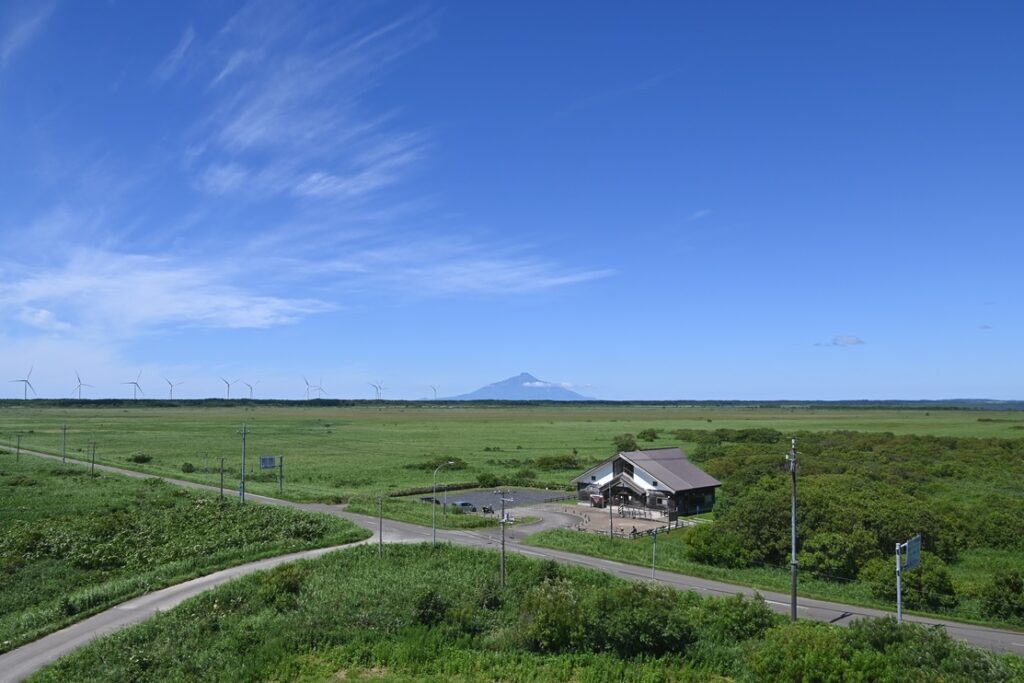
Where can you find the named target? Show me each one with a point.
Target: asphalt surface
(22, 662)
(514, 498)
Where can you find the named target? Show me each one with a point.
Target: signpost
(654, 554)
(270, 462)
(913, 549)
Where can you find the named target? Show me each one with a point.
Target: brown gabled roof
(669, 466)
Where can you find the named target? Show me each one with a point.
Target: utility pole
(899, 584)
(433, 502)
(503, 519)
(92, 467)
(280, 474)
(64, 445)
(380, 526)
(241, 485)
(17, 452)
(222, 478)
(611, 530)
(791, 459)
(654, 555)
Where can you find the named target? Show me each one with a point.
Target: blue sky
(674, 200)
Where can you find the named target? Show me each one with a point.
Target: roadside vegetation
(859, 494)
(418, 512)
(417, 614)
(74, 543)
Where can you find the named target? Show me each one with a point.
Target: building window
(654, 483)
(593, 477)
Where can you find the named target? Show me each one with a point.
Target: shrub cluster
(859, 495)
(438, 614)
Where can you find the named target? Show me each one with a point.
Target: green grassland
(870, 477)
(420, 614)
(332, 452)
(415, 512)
(73, 544)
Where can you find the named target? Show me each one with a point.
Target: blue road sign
(268, 462)
(913, 553)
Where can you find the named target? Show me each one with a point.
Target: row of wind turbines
(136, 386)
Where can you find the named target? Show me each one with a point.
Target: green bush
(188, 467)
(139, 457)
(711, 544)
(552, 619)
(488, 480)
(929, 586)
(434, 463)
(647, 435)
(1003, 597)
(558, 462)
(837, 556)
(624, 443)
(804, 651)
(431, 608)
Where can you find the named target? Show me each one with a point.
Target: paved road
(23, 661)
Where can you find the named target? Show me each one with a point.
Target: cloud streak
(843, 340)
(125, 294)
(23, 31)
(297, 126)
(173, 62)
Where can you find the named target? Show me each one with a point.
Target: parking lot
(520, 497)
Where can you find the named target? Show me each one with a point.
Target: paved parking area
(519, 496)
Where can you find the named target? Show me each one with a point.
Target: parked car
(464, 506)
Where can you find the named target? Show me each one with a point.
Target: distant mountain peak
(522, 387)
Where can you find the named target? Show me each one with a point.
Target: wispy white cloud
(605, 97)
(298, 123)
(984, 327)
(237, 62)
(126, 294)
(172, 63)
(42, 319)
(23, 30)
(437, 267)
(698, 215)
(843, 340)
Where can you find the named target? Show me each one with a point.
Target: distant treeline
(949, 404)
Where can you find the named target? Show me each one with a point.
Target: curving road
(24, 661)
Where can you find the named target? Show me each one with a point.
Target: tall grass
(74, 544)
(421, 614)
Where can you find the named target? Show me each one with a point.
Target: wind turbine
(171, 385)
(136, 388)
(380, 390)
(80, 385)
(376, 390)
(26, 385)
(308, 386)
(319, 388)
(434, 389)
(251, 387)
(228, 385)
